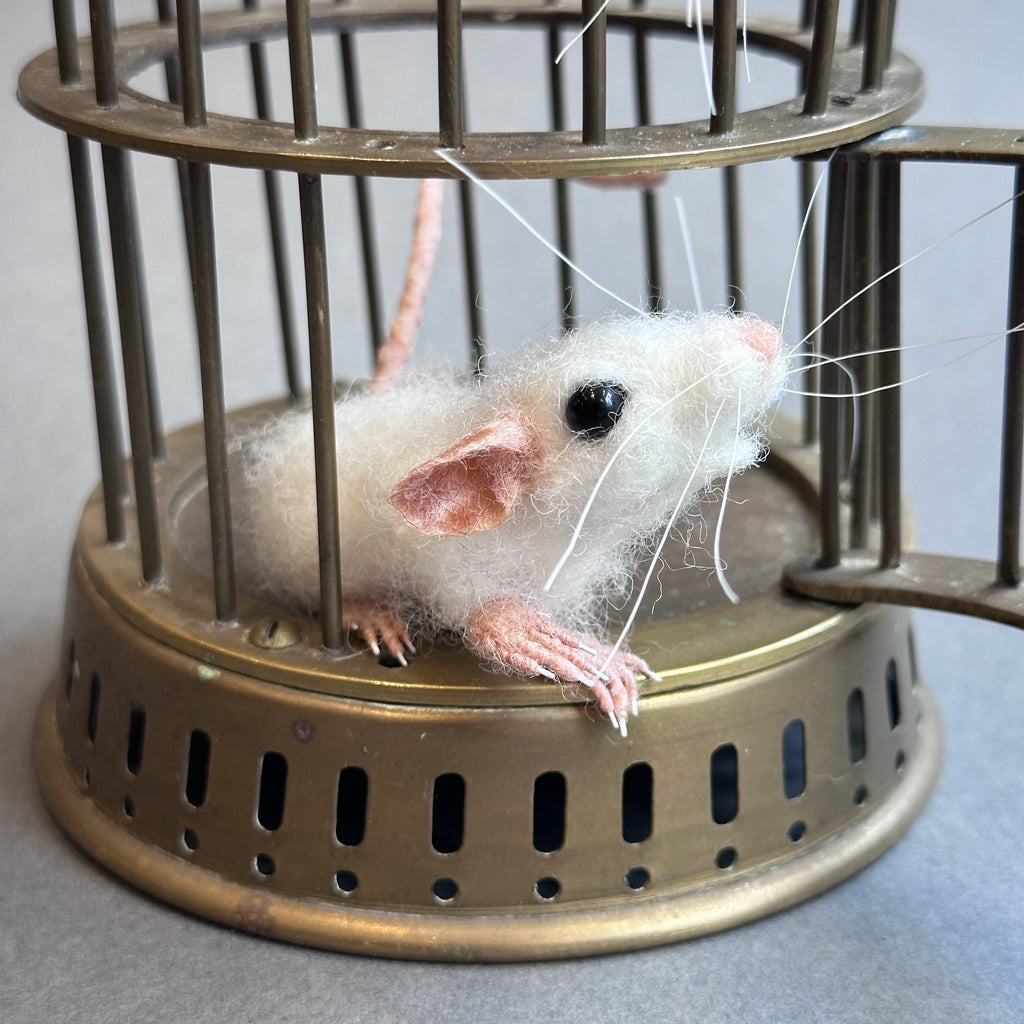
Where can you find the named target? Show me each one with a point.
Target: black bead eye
(593, 409)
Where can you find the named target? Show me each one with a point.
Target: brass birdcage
(231, 756)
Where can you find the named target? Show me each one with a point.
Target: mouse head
(648, 405)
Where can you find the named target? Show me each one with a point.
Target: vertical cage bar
(204, 283)
(104, 386)
(123, 237)
(819, 70)
(889, 368)
(809, 266)
(65, 33)
(104, 382)
(120, 211)
(172, 75)
(649, 199)
(471, 270)
(876, 41)
(321, 368)
(734, 236)
(723, 66)
(191, 65)
(861, 339)
(858, 22)
(1008, 563)
(890, 30)
(449, 73)
(142, 300)
(367, 238)
(101, 25)
(563, 221)
(831, 344)
(275, 222)
(807, 13)
(595, 74)
(300, 53)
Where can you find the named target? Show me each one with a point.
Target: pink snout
(765, 339)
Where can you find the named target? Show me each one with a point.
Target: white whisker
(704, 63)
(691, 262)
(719, 567)
(582, 32)
(910, 259)
(746, 49)
(550, 246)
(989, 337)
(800, 240)
(683, 495)
(571, 546)
(906, 380)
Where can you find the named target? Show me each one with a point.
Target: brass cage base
(442, 812)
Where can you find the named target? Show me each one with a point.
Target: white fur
(702, 359)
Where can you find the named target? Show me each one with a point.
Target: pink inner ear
(474, 485)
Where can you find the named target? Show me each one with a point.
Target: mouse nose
(763, 338)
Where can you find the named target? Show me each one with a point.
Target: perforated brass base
(444, 812)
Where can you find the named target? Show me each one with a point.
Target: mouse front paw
(526, 642)
(379, 626)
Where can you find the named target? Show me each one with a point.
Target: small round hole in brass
(860, 796)
(190, 840)
(796, 831)
(346, 882)
(901, 761)
(128, 806)
(263, 864)
(547, 889)
(445, 890)
(637, 878)
(726, 857)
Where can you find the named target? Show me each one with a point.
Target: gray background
(933, 931)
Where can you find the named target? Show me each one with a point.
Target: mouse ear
(474, 485)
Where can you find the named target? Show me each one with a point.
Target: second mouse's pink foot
(379, 626)
(528, 643)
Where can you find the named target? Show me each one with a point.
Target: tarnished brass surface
(967, 144)
(150, 125)
(626, 920)
(203, 762)
(942, 582)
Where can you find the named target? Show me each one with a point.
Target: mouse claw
(380, 627)
(615, 722)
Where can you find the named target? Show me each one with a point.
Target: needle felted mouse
(509, 507)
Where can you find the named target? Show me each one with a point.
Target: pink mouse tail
(395, 351)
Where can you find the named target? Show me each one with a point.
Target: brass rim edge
(449, 936)
(107, 577)
(149, 125)
(325, 676)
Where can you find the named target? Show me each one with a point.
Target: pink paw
(379, 626)
(529, 643)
